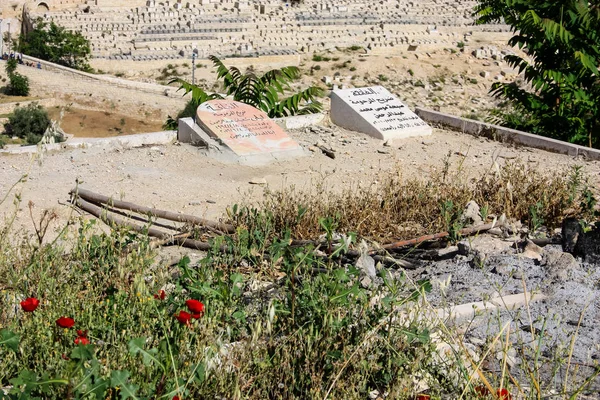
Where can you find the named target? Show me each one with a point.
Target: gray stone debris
(472, 214)
(558, 265)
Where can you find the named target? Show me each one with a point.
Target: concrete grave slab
(234, 132)
(376, 112)
(243, 128)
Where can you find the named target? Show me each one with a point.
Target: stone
(532, 251)
(243, 129)
(472, 214)
(558, 264)
(365, 262)
(376, 112)
(258, 181)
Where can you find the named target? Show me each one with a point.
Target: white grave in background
(376, 112)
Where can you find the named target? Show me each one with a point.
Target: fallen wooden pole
(463, 232)
(172, 216)
(111, 219)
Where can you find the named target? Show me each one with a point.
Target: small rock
(532, 251)
(484, 243)
(472, 213)
(558, 264)
(365, 262)
(366, 282)
(449, 251)
(510, 356)
(211, 202)
(380, 151)
(258, 181)
(195, 203)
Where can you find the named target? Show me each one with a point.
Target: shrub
(28, 123)
(262, 92)
(11, 66)
(18, 86)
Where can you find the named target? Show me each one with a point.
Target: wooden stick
(125, 205)
(441, 235)
(111, 219)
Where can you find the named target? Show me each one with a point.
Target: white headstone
(376, 112)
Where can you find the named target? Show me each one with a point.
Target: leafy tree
(560, 96)
(262, 92)
(28, 123)
(19, 84)
(56, 44)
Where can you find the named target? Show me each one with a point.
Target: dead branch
(125, 205)
(114, 220)
(463, 232)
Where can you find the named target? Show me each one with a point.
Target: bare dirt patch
(95, 124)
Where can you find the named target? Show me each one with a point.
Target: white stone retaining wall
(501, 133)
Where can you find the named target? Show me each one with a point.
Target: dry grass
(401, 208)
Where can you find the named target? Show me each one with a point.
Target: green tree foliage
(19, 84)
(56, 44)
(560, 96)
(11, 66)
(262, 92)
(28, 123)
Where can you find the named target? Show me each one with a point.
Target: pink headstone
(243, 128)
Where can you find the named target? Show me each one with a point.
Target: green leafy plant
(561, 94)
(19, 84)
(262, 92)
(28, 123)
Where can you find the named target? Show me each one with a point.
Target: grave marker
(243, 128)
(376, 112)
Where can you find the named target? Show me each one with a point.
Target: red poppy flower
(82, 340)
(503, 394)
(195, 306)
(183, 317)
(161, 295)
(197, 315)
(82, 333)
(175, 398)
(423, 396)
(30, 304)
(65, 322)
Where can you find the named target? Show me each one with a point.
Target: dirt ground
(178, 178)
(95, 124)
